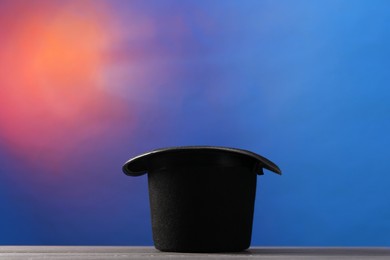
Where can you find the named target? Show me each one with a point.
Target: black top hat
(201, 197)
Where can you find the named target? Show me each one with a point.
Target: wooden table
(120, 252)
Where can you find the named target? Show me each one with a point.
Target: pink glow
(53, 62)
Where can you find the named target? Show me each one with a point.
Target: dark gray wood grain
(112, 252)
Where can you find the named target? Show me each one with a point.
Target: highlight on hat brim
(138, 165)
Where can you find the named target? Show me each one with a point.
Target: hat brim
(139, 165)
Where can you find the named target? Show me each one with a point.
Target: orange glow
(52, 62)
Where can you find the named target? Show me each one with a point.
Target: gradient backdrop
(85, 85)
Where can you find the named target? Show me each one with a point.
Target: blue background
(303, 83)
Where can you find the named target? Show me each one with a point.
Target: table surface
(122, 252)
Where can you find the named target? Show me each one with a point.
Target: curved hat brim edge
(136, 166)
